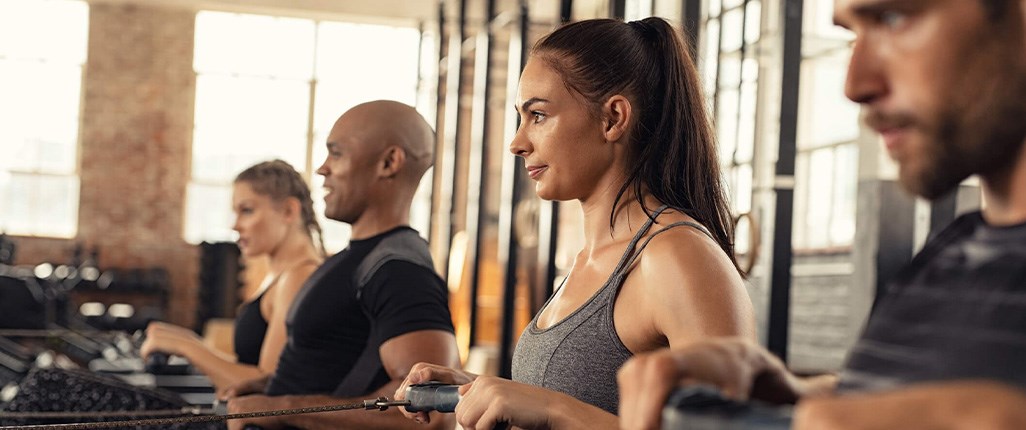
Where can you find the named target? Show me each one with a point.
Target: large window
(42, 51)
(271, 87)
(826, 172)
(730, 71)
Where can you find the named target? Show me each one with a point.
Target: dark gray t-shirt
(957, 311)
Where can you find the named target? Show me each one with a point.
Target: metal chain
(185, 419)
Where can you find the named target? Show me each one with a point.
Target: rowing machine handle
(432, 396)
(436, 396)
(156, 362)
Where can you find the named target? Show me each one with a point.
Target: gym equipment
(701, 407)
(419, 397)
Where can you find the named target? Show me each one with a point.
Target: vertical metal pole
(691, 17)
(453, 89)
(617, 9)
(477, 189)
(566, 10)
(513, 173)
(780, 279)
(438, 98)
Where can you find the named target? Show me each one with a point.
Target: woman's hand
(740, 368)
(490, 400)
(168, 338)
(427, 372)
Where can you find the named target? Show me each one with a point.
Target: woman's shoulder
(675, 229)
(293, 278)
(682, 248)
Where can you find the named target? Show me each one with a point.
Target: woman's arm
(221, 368)
(281, 300)
(698, 301)
(689, 290)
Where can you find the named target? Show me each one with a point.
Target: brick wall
(136, 135)
(820, 326)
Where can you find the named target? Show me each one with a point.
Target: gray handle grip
(432, 397)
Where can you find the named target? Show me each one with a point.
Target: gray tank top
(579, 356)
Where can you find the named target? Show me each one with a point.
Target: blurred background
(123, 122)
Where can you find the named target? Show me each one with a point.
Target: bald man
(377, 307)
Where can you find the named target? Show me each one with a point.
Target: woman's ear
(392, 162)
(293, 209)
(617, 116)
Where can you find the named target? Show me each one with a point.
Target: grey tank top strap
(630, 254)
(624, 265)
(581, 354)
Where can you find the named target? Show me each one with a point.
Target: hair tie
(643, 28)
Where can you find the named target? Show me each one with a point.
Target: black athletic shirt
(957, 311)
(250, 330)
(330, 330)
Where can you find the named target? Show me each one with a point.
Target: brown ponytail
(673, 152)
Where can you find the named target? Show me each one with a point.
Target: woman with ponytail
(612, 115)
(274, 217)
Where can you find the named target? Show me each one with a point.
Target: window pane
(377, 76)
(819, 20)
(209, 214)
(39, 116)
(827, 116)
(727, 4)
(427, 87)
(842, 227)
(48, 30)
(750, 69)
(732, 31)
(799, 235)
(42, 49)
(730, 71)
(254, 45)
(714, 7)
(742, 198)
(39, 205)
(637, 9)
(742, 231)
(420, 210)
(710, 58)
(753, 21)
(726, 124)
(746, 126)
(232, 132)
(820, 183)
(341, 86)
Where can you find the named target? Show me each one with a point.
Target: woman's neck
(294, 249)
(626, 219)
